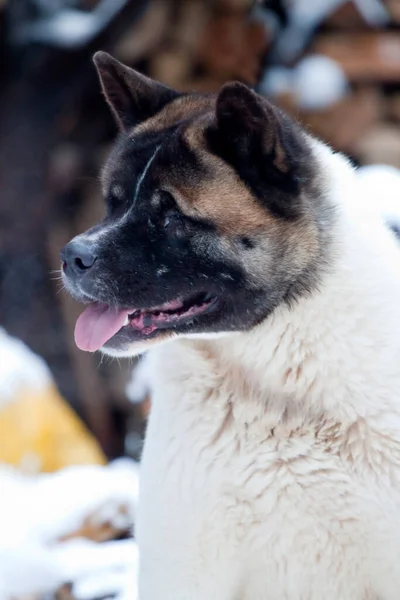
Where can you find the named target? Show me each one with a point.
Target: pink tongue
(96, 325)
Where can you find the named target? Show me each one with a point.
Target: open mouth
(100, 322)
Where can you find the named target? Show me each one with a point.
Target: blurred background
(332, 64)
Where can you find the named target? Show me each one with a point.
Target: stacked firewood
(364, 119)
(197, 45)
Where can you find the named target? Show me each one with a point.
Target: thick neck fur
(333, 355)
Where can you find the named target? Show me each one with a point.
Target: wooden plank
(372, 56)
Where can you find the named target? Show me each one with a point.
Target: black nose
(77, 256)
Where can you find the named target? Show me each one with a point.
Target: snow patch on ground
(35, 512)
(19, 368)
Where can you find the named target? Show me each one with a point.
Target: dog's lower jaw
(138, 348)
(272, 463)
(132, 352)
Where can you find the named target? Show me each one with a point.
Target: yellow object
(38, 430)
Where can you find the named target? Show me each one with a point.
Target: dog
(237, 249)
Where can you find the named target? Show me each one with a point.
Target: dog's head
(215, 216)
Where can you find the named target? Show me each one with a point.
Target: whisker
(61, 289)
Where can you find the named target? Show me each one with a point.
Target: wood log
(364, 57)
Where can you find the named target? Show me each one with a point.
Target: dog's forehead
(203, 185)
(129, 156)
(182, 109)
(166, 131)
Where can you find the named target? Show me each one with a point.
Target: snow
(40, 515)
(139, 385)
(318, 82)
(69, 28)
(99, 570)
(36, 511)
(379, 187)
(96, 570)
(19, 368)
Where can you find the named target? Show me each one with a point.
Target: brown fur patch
(180, 109)
(218, 195)
(221, 197)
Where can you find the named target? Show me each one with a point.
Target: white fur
(271, 468)
(144, 173)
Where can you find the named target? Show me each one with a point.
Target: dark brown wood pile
(55, 131)
(365, 123)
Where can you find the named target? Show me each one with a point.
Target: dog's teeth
(126, 322)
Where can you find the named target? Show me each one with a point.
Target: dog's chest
(226, 480)
(217, 458)
(222, 440)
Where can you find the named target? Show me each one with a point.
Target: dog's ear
(132, 97)
(261, 143)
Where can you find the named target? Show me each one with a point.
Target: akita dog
(236, 247)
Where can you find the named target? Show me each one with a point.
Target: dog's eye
(172, 218)
(115, 198)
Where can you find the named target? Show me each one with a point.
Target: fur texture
(271, 467)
